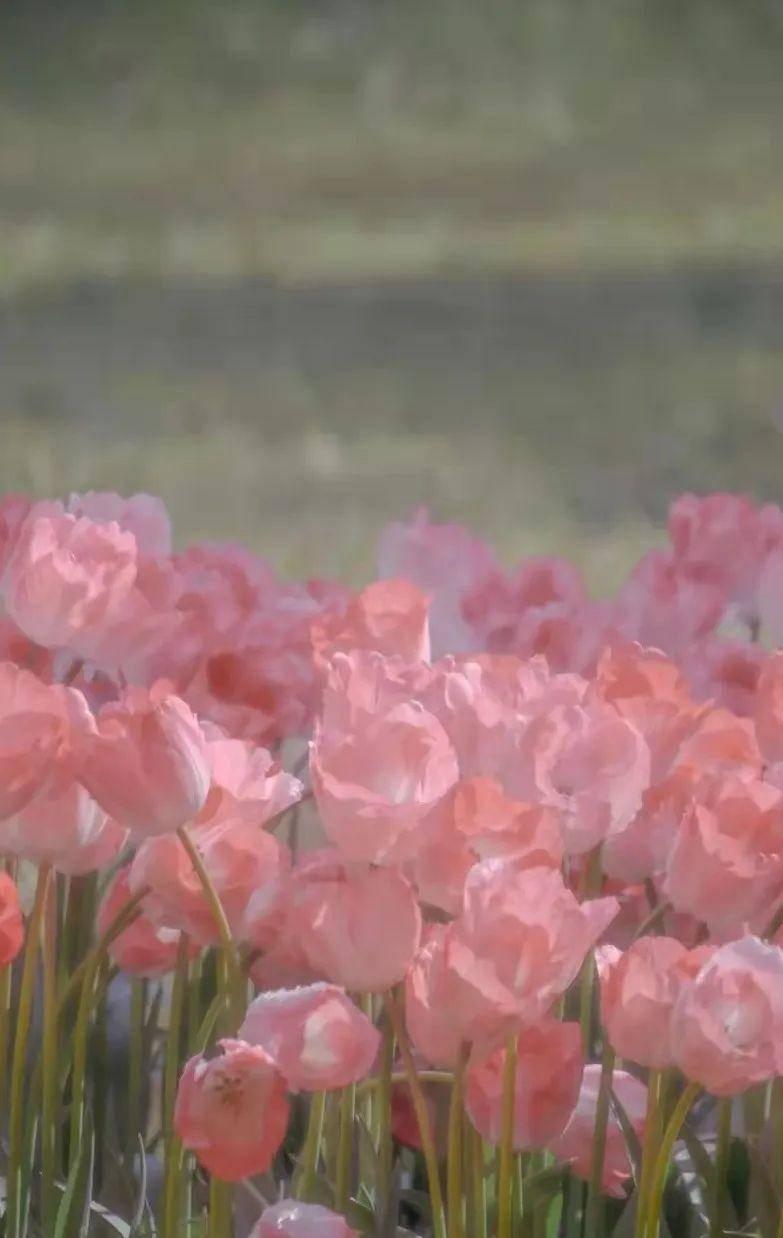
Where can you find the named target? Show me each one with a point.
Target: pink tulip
(248, 868)
(726, 865)
(248, 784)
(638, 992)
(493, 825)
(378, 785)
(290, 1219)
(146, 761)
(576, 1144)
(143, 515)
(529, 931)
(143, 948)
(11, 922)
(232, 1110)
(389, 616)
(340, 913)
(662, 606)
(727, 1026)
(548, 1078)
(447, 561)
(316, 1036)
(62, 825)
(35, 726)
(769, 709)
(67, 577)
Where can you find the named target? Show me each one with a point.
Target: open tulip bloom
(451, 906)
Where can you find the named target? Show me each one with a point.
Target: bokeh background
(302, 265)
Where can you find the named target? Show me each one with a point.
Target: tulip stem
(172, 1146)
(342, 1186)
(50, 1067)
(383, 1108)
(18, 1098)
(454, 1193)
(595, 1199)
(506, 1158)
(720, 1174)
(658, 1180)
(422, 1115)
(234, 987)
(138, 1005)
(653, 1124)
(311, 1150)
(478, 1228)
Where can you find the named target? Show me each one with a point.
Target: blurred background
(302, 265)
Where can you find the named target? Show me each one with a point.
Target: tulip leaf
(73, 1215)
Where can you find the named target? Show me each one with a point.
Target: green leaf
(73, 1215)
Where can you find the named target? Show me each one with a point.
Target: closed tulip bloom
(291, 1219)
(143, 948)
(11, 922)
(358, 927)
(316, 1036)
(248, 784)
(378, 784)
(146, 761)
(769, 709)
(63, 826)
(638, 992)
(67, 577)
(577, 1142)
(727, 1025)
(548, 1078)
(232, 1110)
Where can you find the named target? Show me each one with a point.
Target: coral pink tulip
(726, 865)
(377, 785)
(232, 1110)
(316, 1036)
(769, 709)
(146, 761)
(67, 577)
(548, 1079)
(341, 914)
(143, 948)
(248, 784)
(291, 1219)
(727, 1025)
(389, 616)
(576, 1144)
(638, 992)
(11, 922)
(34, 727)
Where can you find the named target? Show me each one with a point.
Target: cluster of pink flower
(514, 783)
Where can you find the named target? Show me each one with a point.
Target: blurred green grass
(299, 266)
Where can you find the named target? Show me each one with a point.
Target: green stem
(311, 1149)
(506, 1159)
(342, 1187)
(595, 1198)
(454, 1192)
(478, 1227)
(234, 986)
(138, 1007)
(722, 1154)
(653, 1125)
(383, 1109)
(422, 1116)
(658, 1182)
(172, 1146)
(50, 1068)
(18, 1097)
(221, 1209)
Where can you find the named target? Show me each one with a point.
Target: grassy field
(301, 266)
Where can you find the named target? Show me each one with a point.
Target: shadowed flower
(232, 1110)
(576, 1143)
(291, 1219)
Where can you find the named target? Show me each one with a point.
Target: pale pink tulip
(291, 1219)
(389, 616)
(146, 761)
(377, 785)
(35, 726)
(339, 915)
(316, 1036)
(548, 1078)
(143, 515)
(232, 1110)
(11, 922)
(638, 992)
(577, 1142)
(727, 1025)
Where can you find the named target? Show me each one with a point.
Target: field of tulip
(451, 906)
